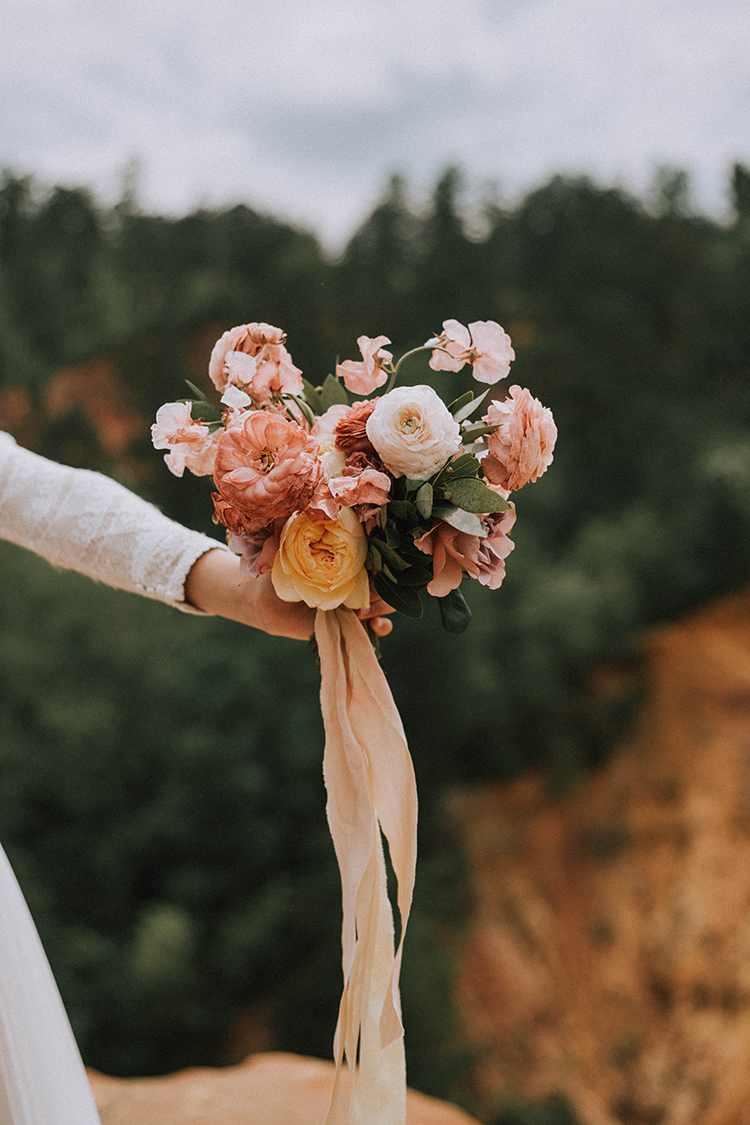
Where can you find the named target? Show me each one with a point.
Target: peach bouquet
(358, 492)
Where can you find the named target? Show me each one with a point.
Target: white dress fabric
(86, 522)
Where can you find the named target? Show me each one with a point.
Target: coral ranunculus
(521, 448)
(322, 563)
(266, 467)
(413, 432)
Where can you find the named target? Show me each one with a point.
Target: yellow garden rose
(322, 563)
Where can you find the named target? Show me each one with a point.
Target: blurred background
(578, 171)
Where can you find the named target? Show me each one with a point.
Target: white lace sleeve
(87, 522)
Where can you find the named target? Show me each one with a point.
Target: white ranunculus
(413, 432)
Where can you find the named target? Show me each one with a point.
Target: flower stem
(421, 348)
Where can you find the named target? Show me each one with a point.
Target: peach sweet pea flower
(361, 378)
(322, 563)
(484, 344)
(254, 358)
(266, 467)
(521, 449)
(367, 487)
(413, 432)
(192, 445)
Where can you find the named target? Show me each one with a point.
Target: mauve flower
(266, 467)
(351, 429)
(452, 552)
(361, 378)
(257, 551)
(192, 444)
(484, 344)
(413, 432)
(368, 487)
(322, 563)
(253, 357)
(520, 450)
(494, 550)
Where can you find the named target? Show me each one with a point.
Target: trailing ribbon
(371, 787)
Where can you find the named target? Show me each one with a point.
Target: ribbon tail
(370, 783)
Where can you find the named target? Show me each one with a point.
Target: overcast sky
(304, 108)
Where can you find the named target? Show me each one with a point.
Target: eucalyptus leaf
(416, 578)
(303, 406)
(404, 599)
(403, 510)
(424, 501)
(460, 402)
(390, 556)
(204, 411)
(333, 394)
(375, 558)
(461, 520)
(412, 485)
(466, 411)
(197, 391)
(474, 496)
(454, 612)
(467, 465)
(473, 432)
(312, 395)
(392, 537)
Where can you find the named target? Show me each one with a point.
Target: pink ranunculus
(452, 552)
(484, 344)
(191, 444)
(413, 432)
(520, 450)
(253, 357)
(368, 487)
(361, 378)
(266, 467)
(494, 550)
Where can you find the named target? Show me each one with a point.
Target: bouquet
(359, 495)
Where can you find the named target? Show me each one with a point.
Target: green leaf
(197, 391)
(403, 510)
(204, 411)
(333, 394)
(312, 396)
(394, 560)
(454, 612)
(474, 432)
(467, 465)
(374, 560)
(404, 599)
(460, 402)
(415, 577)
(307, 412)
(412, 485)
(392, 537)
(474, 496)
(461, 520)
(467, 411)
(424, 501)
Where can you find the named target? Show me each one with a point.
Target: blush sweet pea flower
(520, 450)
(361, 378)
(413, 432)
(191, 444)
(322, 563)
(367, 487)
(254, 358)
(484, 344)
(266, 467)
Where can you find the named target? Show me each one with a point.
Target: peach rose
(521, 449)
(361, 378)
(266, 467)
(413, 432)
(484, 344)
(191, 444)
(322, 563)
(254, 358)
(452, 552)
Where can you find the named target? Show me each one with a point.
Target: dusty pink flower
(236, 522)
(254, 358)
(484, 344)
(351, 429)
(413, 432)
(361, 378)
(368, 487)
(322, 505)
(191, 444)
(325, 426)
(520, 450)
(494, 550)
(257, 551)
(452, 552)
(266, 467)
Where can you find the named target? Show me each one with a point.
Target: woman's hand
(213, 585)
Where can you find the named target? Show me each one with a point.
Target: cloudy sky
(304, 108)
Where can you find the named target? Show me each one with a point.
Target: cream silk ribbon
(370, 782)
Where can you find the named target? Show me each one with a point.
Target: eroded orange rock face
(610, 953)
(267, 1089)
